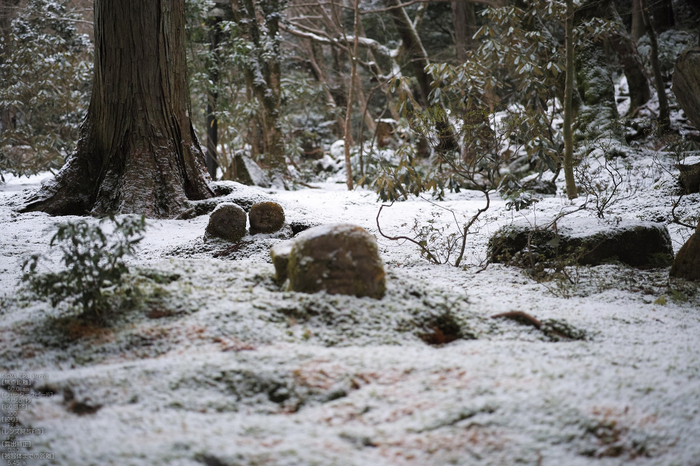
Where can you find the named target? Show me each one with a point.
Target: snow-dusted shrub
(93, 260)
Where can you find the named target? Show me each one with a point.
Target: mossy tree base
(137, 151)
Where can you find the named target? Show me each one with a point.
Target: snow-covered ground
(219, 366)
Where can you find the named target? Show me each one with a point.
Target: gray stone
(280, 259)
(585, 242)
(266, 217)
(246, 171)
(338, 259)
(689, 177)
(227, 221)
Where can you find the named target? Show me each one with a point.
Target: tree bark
(637, 29)
(661, 12)
(8, 10)
(568, 106)
(137, 152)
(664, 121)
(686, 84)
(464, 23)
(623, 46)
(351, 98)
(213, 97)
(631, 61)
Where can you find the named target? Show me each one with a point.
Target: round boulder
(227, 221)
(266, 217)
(340, 259)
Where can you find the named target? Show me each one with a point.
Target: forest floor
(214, 364)
(217, 365)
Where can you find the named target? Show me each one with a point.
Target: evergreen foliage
(93, 261)
(46, 75)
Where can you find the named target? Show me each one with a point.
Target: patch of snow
(338, 149)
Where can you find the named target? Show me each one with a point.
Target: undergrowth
(93, 264)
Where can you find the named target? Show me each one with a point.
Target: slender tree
(664, 121)
(137, 151)
(351, 97)
(464, 23)
(568, 107)
(213, 71)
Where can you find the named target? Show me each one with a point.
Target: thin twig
(425, 250)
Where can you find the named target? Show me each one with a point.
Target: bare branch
(423, 248)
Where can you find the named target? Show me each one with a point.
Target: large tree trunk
(137, 151)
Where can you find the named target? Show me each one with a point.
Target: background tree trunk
(260, 26)
(630, 60)
(661, 12)
(8, 10)
(623, 46)
(137, 151)
(664, 121)
(351, 98)
(213, 97)
(637, 30)
(464, 22)
(419, 59)
(568, 104)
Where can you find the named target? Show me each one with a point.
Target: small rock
(246, 171)
(538, 185)
(228, 221)
(687, 262)
(266, 217)
(280, 259)
(340, 259)
(690, 177)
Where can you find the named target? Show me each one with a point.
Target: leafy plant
(46, 75)
(93, 260)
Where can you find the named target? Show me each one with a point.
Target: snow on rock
(248, 172)
(338, 149)
(338, 259)
(584, 241)
(228, 221)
